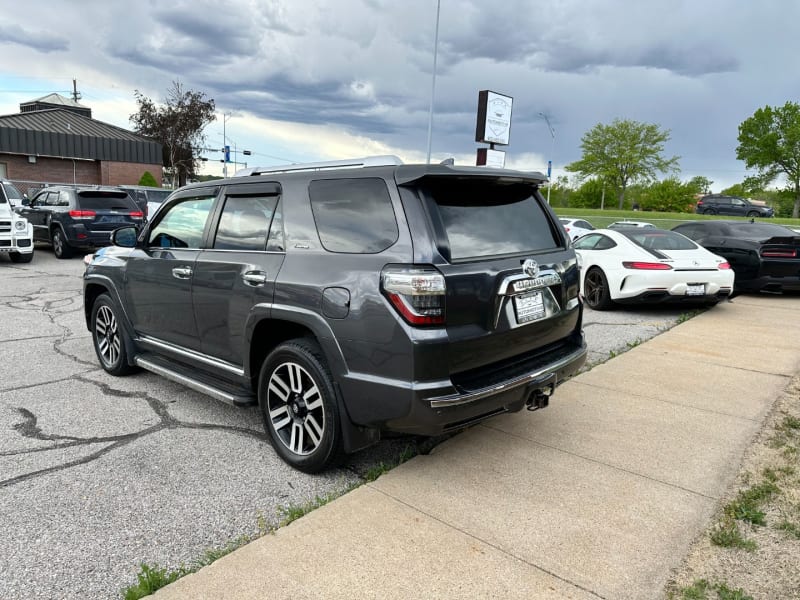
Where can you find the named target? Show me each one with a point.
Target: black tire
(109, 338)
(595, 290)
(709, 211)
(299, 405)
(753, 213)
(61, 247)
(19, 257)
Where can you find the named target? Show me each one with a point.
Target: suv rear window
(100, 200)
(489, 218)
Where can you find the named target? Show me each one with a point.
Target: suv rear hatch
(102, 211)
(511, 278)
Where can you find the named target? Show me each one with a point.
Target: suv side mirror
(125, 237)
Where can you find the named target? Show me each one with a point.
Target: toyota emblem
(530, 267)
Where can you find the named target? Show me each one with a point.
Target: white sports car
(649, 266)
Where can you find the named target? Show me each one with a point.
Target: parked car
(765, 256)
(575, 228)
(626, 223)
(720, 204)
(648, 265)
(79, 217)
(347, 298)
(16, 234)
(148, 199)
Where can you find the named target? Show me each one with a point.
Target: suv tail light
(137, 214)
(646, 266)
(82, 214)
(417, 293)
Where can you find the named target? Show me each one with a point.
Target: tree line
(624, 160)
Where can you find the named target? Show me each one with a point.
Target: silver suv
(347, 299)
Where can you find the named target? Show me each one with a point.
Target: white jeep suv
(16, 234)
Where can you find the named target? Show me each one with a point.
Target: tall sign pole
(552, 151)
(433, 79)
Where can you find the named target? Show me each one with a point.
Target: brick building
(55, 140)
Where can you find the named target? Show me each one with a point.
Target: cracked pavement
(99, 474)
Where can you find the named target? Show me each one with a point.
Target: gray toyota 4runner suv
(346, 299)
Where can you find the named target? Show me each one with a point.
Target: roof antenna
(76, 95)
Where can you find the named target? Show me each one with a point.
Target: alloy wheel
(296, 409)
(107, 335)
(595, 288)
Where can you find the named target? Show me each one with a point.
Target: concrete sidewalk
(599, 496)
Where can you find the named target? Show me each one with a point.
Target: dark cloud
(38, 40)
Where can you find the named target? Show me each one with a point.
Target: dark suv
(79, 217)
(347, 298)
(720, 204)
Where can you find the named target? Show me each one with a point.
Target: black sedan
(765, 257)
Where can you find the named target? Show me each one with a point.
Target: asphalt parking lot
(99, 474)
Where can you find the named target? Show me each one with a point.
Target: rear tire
(300, 407)
(595, 290)
(109, 337)
(19, 257)
(61, 247)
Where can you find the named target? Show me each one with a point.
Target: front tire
(61, 247)
(752, 213)
(709, 211)
(19, 257)
(299, 405)
(109, 337)
(596, 291)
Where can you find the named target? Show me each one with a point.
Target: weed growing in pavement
(377, 470)
(152, 578)
(634, 343)
(292, 512)
(691, 314)
(700, 589)
(792, 529)
(747, 504)
(727, 535)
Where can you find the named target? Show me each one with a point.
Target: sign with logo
(494, 118)
(491, 158)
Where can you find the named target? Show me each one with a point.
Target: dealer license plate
(695, 289)
(529, 307)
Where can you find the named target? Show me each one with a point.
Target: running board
(215, 392)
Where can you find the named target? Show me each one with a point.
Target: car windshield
(11, 191)
(659, 239)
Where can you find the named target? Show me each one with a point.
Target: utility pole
(76, 95)
(225, 117)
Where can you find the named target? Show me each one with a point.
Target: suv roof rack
(350, 163)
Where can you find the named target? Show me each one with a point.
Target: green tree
(589, 195)
(669, 195)
(148, 180)
(701, 185)
(770, 142)
(622, 153)
(178, 124)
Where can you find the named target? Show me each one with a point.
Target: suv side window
(182, 226)
(244, 223)
(341, 207)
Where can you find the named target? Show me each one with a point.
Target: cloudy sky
(307, 80)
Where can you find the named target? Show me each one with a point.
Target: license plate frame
(529, 307)
(695, 289)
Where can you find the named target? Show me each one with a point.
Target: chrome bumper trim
(457, 399)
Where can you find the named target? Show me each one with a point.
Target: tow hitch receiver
(539, 398)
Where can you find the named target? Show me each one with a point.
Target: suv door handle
(181, 272)
(254, 278)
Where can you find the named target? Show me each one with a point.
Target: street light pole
(552, 153)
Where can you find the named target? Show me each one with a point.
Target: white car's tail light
(724, 266)
(416, 293)
(646, 266)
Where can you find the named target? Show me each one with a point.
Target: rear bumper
(769, 283)
(433, 408)
(663, 297)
